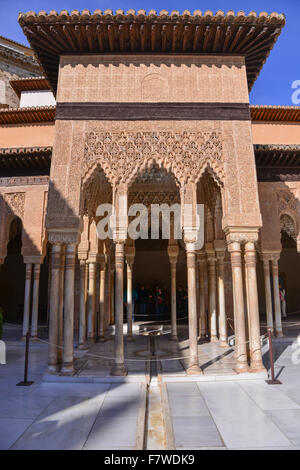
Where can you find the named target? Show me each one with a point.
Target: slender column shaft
(35, 300)
(68, 352)
(82, 308)
(254, 328)
(221, 297)
(239, 310)
(102, 301)
(92, 301)
(192, 305)
(202, 314)
(212, 298)
(129, 299)
(54, 305)
(119, 366)
(61, 305)
(28, 275)
(173, 302)
(278, 324)
(112, 296)
(268, 294)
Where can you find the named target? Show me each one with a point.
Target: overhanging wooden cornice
(25, 161)
(54, 34)
(27, 115)
(275, 113)
(275, 156)
(29, 84)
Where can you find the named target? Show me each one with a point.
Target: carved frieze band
(153, 111)
(122, 155)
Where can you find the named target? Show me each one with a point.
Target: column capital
(129, 255)
(33, 259)
(173, 251)
(241, 234)
(62, 237)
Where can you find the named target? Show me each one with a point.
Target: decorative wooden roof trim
(25, 150)
(54, 34)
(29, 84)
(27, 115)
(275, 113)
(25, 160)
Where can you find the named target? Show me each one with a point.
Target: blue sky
(281, 69)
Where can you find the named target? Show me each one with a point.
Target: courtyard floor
(225, 413)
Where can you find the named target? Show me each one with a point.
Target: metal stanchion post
(273, 381)
(25, 382)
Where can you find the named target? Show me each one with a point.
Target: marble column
(202, 313)
(92, 301)
(256, 363)
(239, 307)
(119, 368)
(221, 298)
(102, 301)
(82, 308)
(268, 293)
(278, 324)
(61, 305)
(54, 306)
(112, 294)
(35, 300)
(26, 314)
(129, 300)
(69, 288)
(212, 296)
(192, 309)
(173, 252)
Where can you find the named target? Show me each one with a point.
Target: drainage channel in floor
(155, 429)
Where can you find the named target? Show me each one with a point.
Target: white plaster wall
(37, 98)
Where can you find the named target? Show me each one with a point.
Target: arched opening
(289, 265)
(151, 269)
(12, 275)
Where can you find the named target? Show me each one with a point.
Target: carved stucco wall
(136, 78)
(184, 147)
(226, 148)
(278, 199)
(29, 204)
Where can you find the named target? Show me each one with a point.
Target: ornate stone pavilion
(150, 108)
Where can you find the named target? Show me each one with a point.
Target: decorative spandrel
(122, 155)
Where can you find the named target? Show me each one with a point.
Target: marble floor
(240, 414)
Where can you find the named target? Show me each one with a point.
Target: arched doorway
(289, 264)
(12, 275)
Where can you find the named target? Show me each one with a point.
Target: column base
(34, 338)
(194, 370)
(67, 370)
(241, 369)
(119, 370)
(173, 338)
(130, 338)
(223, 343)
(82, 347)
(257, 368)
(91, 340)
(101, 339)
(202, 337)
(214, 339)
(51, 369)
(279, 334)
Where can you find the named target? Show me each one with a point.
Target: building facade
(150, 109)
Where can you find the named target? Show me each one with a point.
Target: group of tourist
(155, 301)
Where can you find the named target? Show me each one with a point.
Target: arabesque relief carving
(286, 201)
(15, 203)
(122, 155)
